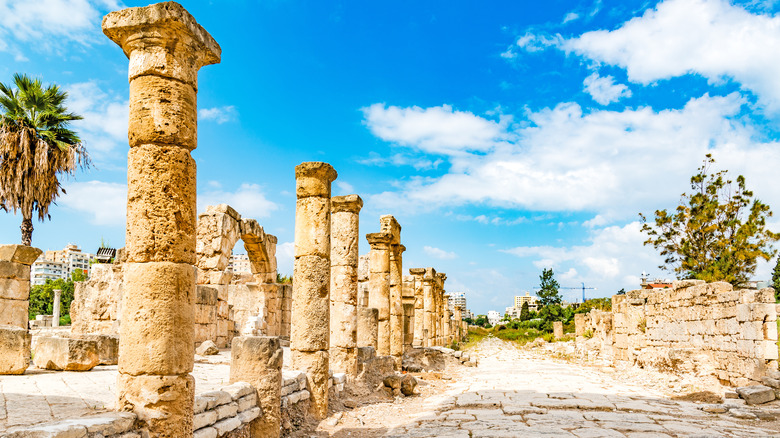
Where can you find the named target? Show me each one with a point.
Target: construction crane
(575, 288)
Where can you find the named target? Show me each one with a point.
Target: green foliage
(588, 333)
(604, 304)
(78, 275)
(776, 280)
(717, 233)
(525, 313)
(42, 298)
(482, 321)
(548, 288)
(283, 279)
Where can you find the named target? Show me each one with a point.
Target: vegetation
(42, 297)
(482, 321)
(548, 288)
(36, 148)
(525, 313)
(717, 232)
(604, 304)
(282, 279)
(776, 280)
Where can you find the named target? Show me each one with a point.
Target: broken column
(419, 306)
(166, 48)
(310, 333)
(257, 360)
(55, 322)
(15, 262)
(345, 218)
(429, 301)
(379, 287)
(457, 325)
(368, 319)
(396, 304)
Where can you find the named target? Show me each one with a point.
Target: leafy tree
(482, 321)
(548, 288)
(776, 280)
(36, 148)
(42, 296)
(525, 314)
(717, 232)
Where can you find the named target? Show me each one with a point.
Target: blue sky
(504, 138)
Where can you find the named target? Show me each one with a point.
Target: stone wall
(96, 301)
(704, 328)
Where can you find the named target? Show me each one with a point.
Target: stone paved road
(512, 394)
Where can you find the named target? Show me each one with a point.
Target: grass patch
(475, 335)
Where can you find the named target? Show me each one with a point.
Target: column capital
(379, 240)
(388, 224)
(347, 203)
(417, 272)
(313, 178)
(162, 39)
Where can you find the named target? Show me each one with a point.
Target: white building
(239, 263)
(513, 312)
(458, 299)
(493, 317)
(60, 264)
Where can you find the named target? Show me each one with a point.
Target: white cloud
(604, 90)
(436, 130)
(345, 188)
(285, 258)
(52, 22)
(219, 115)
(713, 38)
(104, 203)
(106, 115)
(439, 253)
(571, 16)
(400, 159)
(249, 201)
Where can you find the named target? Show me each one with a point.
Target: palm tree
(36, 147)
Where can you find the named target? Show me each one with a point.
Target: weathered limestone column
(445, 319)
(457, 324)
(345, 235)
(166, 48)
(368, 319)
(310, 332)
(441, 306)
(396, 304)
(257, 360)
(429, 302)
(15, 262)
(419, 306)
(557, 329)
(379, 287)
(55, 322)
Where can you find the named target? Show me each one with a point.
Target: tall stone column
(445, 320)
(257, 360)
(429, 301)
(55, 320)
(368, 318)
(345, 235)
(419, 306)
(166, 48)
(457, 326)
(396, 304)
(379, 287)
(441, 306)
(310, 332)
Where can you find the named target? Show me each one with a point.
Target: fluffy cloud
(104, 203)
(439, 253)
(220, 115)
(604, 90)
(249, 200)
(106, 115)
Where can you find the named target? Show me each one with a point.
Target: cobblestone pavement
(514, 394)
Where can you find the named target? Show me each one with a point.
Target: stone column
(166, 48)
(310, 332)
(419, 306)
(458, 325)
(55, 322)
(441, 307)
(396, 304)
(429, 301)
(345, 235)
(15, 262)
(258, 361)
(445, 319)
(368, 318)
(557, 329)
(379, 287)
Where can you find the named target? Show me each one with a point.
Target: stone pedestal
(345, 235)
(258, 361)
(166, 48)
(309, 340)
(368, 318)
(558, 329)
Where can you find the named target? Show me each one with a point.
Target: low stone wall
(704, 328)
(220, 413)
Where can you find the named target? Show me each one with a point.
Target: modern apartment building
(60, 264)
(519, 300)
(458, 299)
(239, 263)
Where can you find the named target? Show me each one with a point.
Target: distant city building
(493, 317)
(458, 300)
(467, 314)
(239, 263)
(60, 264)
(654, 284)
(519, 300)
(513, 312)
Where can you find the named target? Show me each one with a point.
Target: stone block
(14, 270)
(107, 347)
(162, 402)
(756, 394)
(66, 354)
(14, 350)
(14, 313)
(154, 102)
(207, 348)
(206, 295)
(22, 254)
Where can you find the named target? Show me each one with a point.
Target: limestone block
(157, 331)
(21, 254)
(344, 284)
(165, 403)
(161, 204)
(343, 324)
(205, 313)
(258, 360)
(14, 350)
(207, 348)
(317, 375)
(312, 240)
(313, 179)
(14, 312)
(756, 394)
(14, 270)
(162, 111)
(408, 383)
(223, 309)
(558, 329)
(107, 347)
(66, 354)
(206, 295)
(743, 312)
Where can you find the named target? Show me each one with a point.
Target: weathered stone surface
(393, 381)
(66, 354)
(408, 383)
(756, 394)
(21, 254)
(164, 403)
(367, 327)
(423, 359)
(258, 360)
(96, 301)
(14, 312)
(14, 350)
(107, 347)
(207, 348)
